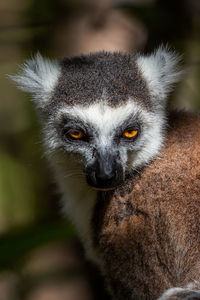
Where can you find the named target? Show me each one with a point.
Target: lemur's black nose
(102, 180)
(105, 171)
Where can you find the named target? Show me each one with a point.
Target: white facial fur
(106, 120)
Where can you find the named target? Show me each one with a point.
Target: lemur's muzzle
(105, 170)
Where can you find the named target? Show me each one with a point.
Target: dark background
(40, 257)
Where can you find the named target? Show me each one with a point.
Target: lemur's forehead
(84, 79)
(100, 116)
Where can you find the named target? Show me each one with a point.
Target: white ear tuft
(38, 77)
(160, 70)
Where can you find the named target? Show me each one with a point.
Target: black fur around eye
(129, 133)
(74, 134)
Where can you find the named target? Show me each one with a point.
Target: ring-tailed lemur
(103, 117)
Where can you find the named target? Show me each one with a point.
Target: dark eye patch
(70, 130)
(131, 123)
(67, 124)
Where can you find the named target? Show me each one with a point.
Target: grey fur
(84, 79)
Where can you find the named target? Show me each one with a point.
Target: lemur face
(107, 110)
(111, 141)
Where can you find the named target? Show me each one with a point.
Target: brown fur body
(147, 234)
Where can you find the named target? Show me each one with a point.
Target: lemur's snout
(105, 171)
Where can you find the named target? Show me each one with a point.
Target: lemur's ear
(38, 76)
(160, 70)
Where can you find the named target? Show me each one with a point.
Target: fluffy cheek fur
(78, 198)
(150, 143)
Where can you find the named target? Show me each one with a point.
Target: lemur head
(104, 111)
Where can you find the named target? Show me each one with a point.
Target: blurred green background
(40, 257)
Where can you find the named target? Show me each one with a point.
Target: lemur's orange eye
(76, 134)
(130, 133)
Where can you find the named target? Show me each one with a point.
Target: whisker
(74, 175)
